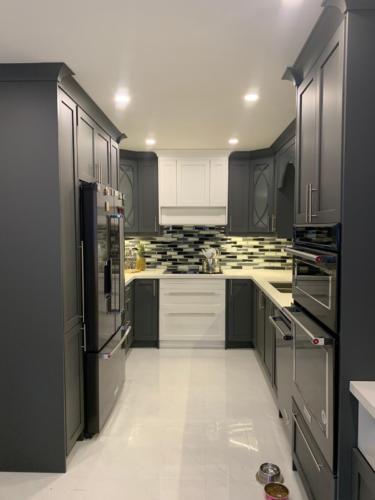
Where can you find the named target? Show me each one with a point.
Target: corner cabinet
(319, 138)
(193, 190)
(138, 181)
(239, 314)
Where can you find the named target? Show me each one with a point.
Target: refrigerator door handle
(108, 277)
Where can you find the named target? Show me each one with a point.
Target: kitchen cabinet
(319, 133)
(285, 190)
(261, 217)
(74, 395)
(57, 122)
(129, 315)
(269, 341)
(192, 312)
(239, 313)
(146, 313)
(238, 195)
(363, 481)
(259, 315)
(97, 152)
(193, 190)
(138, 181)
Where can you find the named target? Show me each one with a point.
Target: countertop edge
(364, 392)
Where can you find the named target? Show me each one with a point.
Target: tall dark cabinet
(239, 313)
(334, 77)
(138, 180)
(41, 374)
(146, 313)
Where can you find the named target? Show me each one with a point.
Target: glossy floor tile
(189, 425)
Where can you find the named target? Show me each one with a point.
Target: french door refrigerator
(102, 235)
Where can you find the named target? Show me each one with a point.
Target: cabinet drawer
(187, 325)
(192, 285)
(312, 467)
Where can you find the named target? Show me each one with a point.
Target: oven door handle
(312, 257)
(316, 341)
(317, 464)
(273, 320)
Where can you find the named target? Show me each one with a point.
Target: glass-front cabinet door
(128, 179)
(262, 195)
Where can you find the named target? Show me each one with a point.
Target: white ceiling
(186, 63)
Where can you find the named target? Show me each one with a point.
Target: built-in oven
(315, 254)
(314, 379)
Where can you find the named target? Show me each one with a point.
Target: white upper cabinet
(219, 182)
(193, 183)
(167, 183)
(193, 190)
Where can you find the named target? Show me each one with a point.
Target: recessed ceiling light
(122, 100)
(252, 97)
(291, 3)
(233, 141)
(150, 142)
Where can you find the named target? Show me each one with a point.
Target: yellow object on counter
(140, 263)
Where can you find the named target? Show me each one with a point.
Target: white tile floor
(190, 425)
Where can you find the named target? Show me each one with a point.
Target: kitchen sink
(283, 287)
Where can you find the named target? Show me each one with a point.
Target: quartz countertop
(261, 277)
(365, 393)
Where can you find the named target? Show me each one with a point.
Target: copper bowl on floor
(276, 491)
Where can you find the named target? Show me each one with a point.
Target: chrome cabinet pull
(273, 320)
(230, 223)
(317, 464)
(273, 225)
(156, 226)
(260, 300)
(154, 288)
(307, 204)
(311, 191)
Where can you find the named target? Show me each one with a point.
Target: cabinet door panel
(193, 177)
(128, 185)
(71, 270)
(115, 158)
(74, 401)
(262, 195)
(86, 147)
(269, 342)
(239, 331)
(326, 198)
(146, 313)
(168, 183)
(148, 196)
(238, 196)
(285, 191)
(307, 141)
(219, 182)
(259, 306)
(102, 155)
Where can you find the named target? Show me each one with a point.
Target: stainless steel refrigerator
(102, 235)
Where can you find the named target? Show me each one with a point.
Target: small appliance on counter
(102, 244)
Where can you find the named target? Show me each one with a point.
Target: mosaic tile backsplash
(178, 248)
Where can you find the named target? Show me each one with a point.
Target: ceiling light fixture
(122, 100)
(252, 97)
(233, 141)
(150, 142)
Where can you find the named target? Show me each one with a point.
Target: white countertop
(262, 277)
(365, 393)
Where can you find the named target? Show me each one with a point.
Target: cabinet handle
(307, 192)
(260, 300)
(81, 247)
(231, 287)
(154, 288)
(273, 223)
(317, 464)
(311, 191)
(156, 225)
(100, 172)
(230, 223)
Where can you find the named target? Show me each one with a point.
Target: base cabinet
(259, 305)
(146, 313)
(265, 333)
(74, 398)
(239, 314)
(363, 482)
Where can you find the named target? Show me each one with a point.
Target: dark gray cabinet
(259, 315)
(238, 195)
(363, 481)
(261, 210)
(74, 397)
(285, 188)
(269, 341)
(129, 315)
(42, 103)
(98, 153)
(138, 180)
(146, 313)
(319, 126)
(239, 313)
